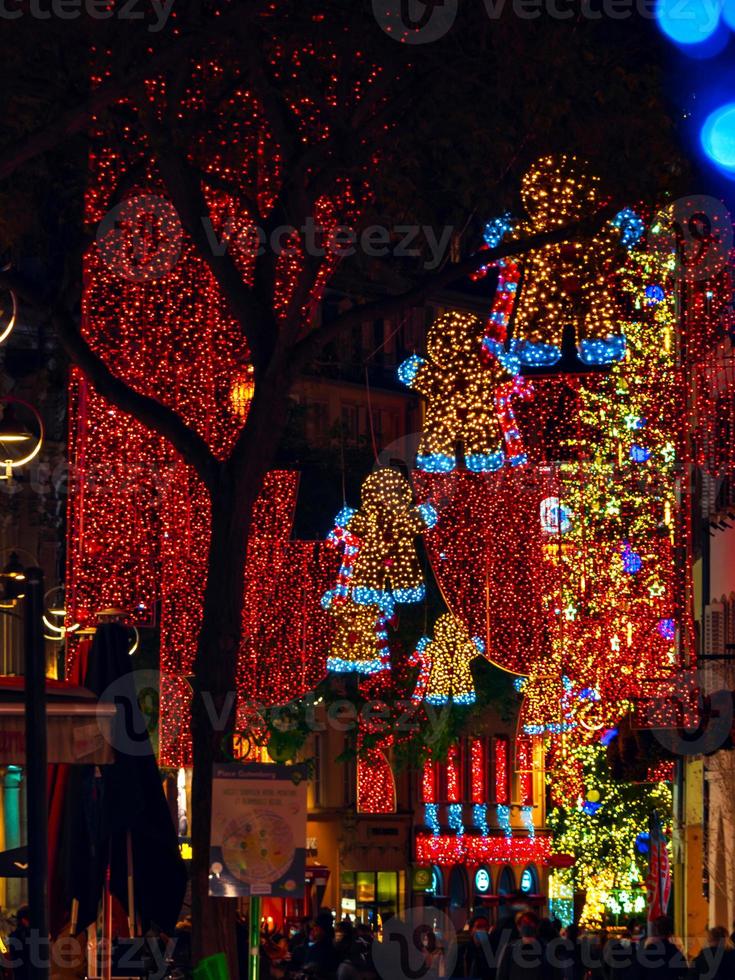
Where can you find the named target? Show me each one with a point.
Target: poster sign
(258, 832)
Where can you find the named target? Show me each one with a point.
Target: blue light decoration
(431, 817)
(496, 229)
(598, 352)
(667, 628)
(435, 463)
(408, 370)
(538, 354)
(639, 454)
(416, 594)
(527, 819)
(454, 818)
(428, 514)
(590, 808)
(509, 359)
(339, 665)
(642, 843)
(654, 294)
(608, 735)
(485, 462)
(690, 23)
(632, 561)
(728, 13)
(718, 138)
(519, 683)
(631, 227)
(479, 818)
(503, 814)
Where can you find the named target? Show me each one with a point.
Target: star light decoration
(469, 389)
(567, 282)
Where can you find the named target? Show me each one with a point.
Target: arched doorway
(458, 894)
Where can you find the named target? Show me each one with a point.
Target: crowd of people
(520, 947)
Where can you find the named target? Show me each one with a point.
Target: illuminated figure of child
(468, 390)
(568, 282)
(384, 567)
(444, 664)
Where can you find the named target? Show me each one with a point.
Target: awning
(78, 728)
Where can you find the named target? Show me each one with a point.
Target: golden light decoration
(242, 393)
(55, 614)
(387, 567)
(444, 663)
(360, 641)
(467, 402)
(569, 282)
(8, 313)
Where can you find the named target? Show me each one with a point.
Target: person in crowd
(717, 960)
(431, 951)
(475, 958)
(320, 957)
(19, 951)
(620, 956)
(658, 957)
(526, 957)
(300, 936)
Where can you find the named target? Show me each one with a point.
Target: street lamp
(18, 445)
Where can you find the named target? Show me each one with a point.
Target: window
(350, 421)
(318, 420)
(501, 770)
(478, 771)
(524, 764)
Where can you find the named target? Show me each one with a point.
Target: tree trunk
(213, 919)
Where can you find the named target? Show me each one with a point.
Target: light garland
(450, 849)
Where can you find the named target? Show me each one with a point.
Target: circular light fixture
(688, 24)
(18, 445)
(718, 137)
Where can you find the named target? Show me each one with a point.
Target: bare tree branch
(73, 120)
(182, 182)
(307, 349)
(157, 416)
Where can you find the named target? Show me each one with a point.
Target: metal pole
(36, 772)
(254, 938)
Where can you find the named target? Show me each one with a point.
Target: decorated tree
(606, 829)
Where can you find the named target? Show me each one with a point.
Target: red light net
(138, 528)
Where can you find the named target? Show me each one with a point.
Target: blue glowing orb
(632, 562)
(718, 137)
(654, 294)
(688, 23)
(642, 843)
(639, 454)
(728, 13)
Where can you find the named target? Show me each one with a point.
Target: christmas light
(386, 567)
(451, 849)
(468, 399)
(444, 661)
(567, 282)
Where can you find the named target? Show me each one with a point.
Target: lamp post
(36, 771)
